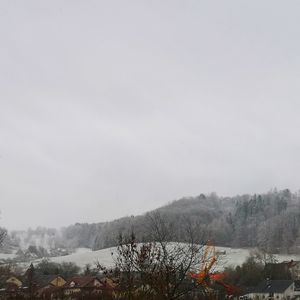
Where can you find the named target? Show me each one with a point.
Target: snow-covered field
(7, 256)
(84, 256)
(232, 257)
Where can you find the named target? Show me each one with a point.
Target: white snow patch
(7, 256)
(82, 258)
(228, 257)
(82, 250)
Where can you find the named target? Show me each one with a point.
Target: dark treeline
(269, 221)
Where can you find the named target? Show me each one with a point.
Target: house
(273, 290)
(11, 285)
(49, 280)
(89, 286)
(46, 284)
(14, 280)
(82, 285)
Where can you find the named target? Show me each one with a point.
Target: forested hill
(270, 221)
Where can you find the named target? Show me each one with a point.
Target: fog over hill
(270, 221)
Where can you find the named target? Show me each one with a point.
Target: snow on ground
(231, 257)
(286, 257)
(82, 250)
(83, 256)
(236, 256)
(7, 256)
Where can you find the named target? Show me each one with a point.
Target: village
(55, 286)
(281, 282)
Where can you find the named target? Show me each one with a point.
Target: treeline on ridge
(269, 221)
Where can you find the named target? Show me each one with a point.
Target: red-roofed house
(82, 285)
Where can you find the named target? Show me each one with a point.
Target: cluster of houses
(282, 283)
(39, 286)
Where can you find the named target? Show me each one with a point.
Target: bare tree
(3, 234)
(262, 256)
(158, 269)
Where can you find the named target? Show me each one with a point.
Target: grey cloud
(112, 108)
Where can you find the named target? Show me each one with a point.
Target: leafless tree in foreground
(158, 269)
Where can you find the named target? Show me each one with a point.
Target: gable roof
(41, 280)
(11, 275)
(272, 286)
(13, 280)
(81, 281)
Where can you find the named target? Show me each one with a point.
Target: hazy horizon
(143, 212)
(114, 108)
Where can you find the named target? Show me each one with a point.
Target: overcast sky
(112, 108)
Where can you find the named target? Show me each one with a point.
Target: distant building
(273, 290)
(14, 280)
(82, 284)
(45, 284)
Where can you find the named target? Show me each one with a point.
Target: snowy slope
(82, 258)
(7, 256)
(232, 257)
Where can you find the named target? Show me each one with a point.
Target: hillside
(229, 257)
(270, 221)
